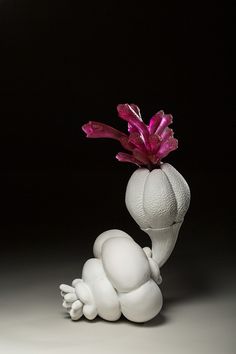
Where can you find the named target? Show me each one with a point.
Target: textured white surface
(180, 188)
(123, 279)
(158, 201)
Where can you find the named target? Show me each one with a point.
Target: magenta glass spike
(141, 157)
(168, 146)
(137, 141)
(167, 133)
(126, 112)
(101, 130)
(155, 121)
(124, 157)
(155, 143)
(136, 109)
(166, 120)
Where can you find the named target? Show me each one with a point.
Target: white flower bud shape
(180, 188)
(158, 201)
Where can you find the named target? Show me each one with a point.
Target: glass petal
(127, 113)
(168, 146)
(124, 157)
(155, 121)
(166, 120)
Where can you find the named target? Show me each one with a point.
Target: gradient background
(64, 63)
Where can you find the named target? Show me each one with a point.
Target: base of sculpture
(123, 279)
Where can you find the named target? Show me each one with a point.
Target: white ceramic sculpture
(123, 278)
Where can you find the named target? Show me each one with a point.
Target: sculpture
(123, 278)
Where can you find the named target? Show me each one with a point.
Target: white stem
(163, 241)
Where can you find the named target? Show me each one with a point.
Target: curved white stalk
(163, 242)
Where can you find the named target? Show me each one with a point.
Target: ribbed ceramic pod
(158, 201)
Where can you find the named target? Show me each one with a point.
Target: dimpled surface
(180, 188)
(134, 196)
(159, 200)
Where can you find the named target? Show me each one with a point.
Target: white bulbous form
(158, 201)
(122, 278)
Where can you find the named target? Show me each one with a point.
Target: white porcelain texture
(158, 201)
(123, 278)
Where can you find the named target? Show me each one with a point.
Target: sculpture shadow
(184, 281)
(157, 321)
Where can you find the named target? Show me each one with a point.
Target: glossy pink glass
(147, 144)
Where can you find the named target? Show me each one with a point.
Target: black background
(64, 63)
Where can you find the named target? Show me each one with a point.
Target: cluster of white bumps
(122, 278)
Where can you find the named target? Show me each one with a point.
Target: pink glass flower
(147, 144)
